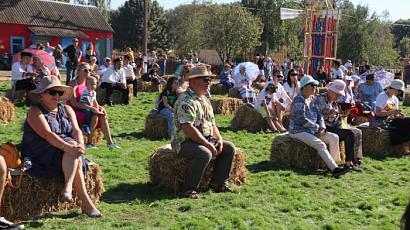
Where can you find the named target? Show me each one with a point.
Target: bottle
(27, 165)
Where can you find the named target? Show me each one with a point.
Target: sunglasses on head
(87, 70)
(53, 92)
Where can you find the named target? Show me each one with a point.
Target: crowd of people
(60, 115)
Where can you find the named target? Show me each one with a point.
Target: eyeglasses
(52, 92)
(87, 70)
(293, 74)
(313, 85)
(207, 79)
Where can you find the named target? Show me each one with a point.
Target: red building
(26, 22)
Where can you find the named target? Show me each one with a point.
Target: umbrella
(380, 75)
(251, 70)
(46, 59)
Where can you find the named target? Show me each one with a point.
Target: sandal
(190, 194)
(66, 197)
(94, 213)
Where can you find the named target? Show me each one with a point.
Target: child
(262, 105)
(89, 100)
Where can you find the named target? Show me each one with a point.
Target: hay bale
(249, 119)
(218, 89)
(168, 169)
(116, 95)
(6, 110)
(376, 142)
(36, 197)
(156, 125)
(96, 138)
(292, 153)
(18, 97)
(286, 120)
(406, 99)
(225, 106)
(144, 86)
(234, 93)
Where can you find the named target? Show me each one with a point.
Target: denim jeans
(88, 114)
(70, 73)
(170, 119)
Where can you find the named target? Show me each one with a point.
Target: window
(17, 44)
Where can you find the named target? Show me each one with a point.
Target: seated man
(23, 74)
(103, 68)
(114, 78)
(197, 137)
(5, 224)
(129, 73)
(352, 137)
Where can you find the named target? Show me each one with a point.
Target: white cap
(337, 86)
(397, 84)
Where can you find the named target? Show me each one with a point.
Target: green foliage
(400, 31)
(405, 47)
(272, 198)
(234, 31)
(128, 24)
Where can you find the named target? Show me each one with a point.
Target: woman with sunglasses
(53, 141)
(307, 125)
(97, 120)
(292, 84)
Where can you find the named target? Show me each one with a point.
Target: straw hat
(49, 82)
(199, 71)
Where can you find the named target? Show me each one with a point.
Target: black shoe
(340, 171)
(220, 188)
(5, 224)
(354, 168)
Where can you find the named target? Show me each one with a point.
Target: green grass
(272, 198)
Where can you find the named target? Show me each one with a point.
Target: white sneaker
(5, 224)
(113, 146)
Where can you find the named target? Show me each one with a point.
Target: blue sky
(400, 9)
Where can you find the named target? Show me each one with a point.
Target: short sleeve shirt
(88, 97)
(191, 109)
(387, 103)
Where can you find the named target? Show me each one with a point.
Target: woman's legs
(69, 165)
(277, 120)
(105, 128)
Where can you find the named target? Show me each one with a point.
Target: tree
(400, 29)
(405, 47)
(234, 31)
(128, 24)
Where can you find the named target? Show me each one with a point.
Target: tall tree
(400, 29)
(405, 47)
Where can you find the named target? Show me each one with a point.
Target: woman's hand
(75, 150)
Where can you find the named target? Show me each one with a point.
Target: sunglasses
(52, 92)
(293, 74)
(313, 85)
(87, 70)
(207, 79)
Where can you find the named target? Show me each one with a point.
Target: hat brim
(200, 75)
(310, 82)
(34, 95)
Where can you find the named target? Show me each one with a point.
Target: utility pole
(145, 46)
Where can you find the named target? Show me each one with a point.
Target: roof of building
(53, 14)
(209, 56)
(47, 31)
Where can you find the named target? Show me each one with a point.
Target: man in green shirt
(196, 136)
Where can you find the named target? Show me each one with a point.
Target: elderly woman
(352, 137)
(78, 84)
(243, 84)
(54, 143)
(368, 91)
(40, 69)
(389, 116)
(307, 125)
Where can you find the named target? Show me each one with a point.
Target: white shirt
(129, 72)
(291, 91)
(263, 95)
(112, 76)
(280, 93)
(241, 80)
(17, 71)
(102, 69)
(387, 103)
(338, 74)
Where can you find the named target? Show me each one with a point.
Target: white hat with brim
(397, 84)
(337, 86)
(49, 82)
(306, 80)
(199, 71)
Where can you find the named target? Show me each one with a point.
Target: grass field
(272, 198)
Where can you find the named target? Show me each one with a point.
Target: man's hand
(219, 146)
(321, 132)
(211, 148)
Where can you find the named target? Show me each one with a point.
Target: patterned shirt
(191, 109)
(88, 97)
(305, 118)
(326, 106)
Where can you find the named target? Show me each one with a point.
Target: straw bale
(234, 92)
(218, 89)
(6, 110)
(116, 95)
(18, 97)
(286, 120)
(248, 118)
(168, 169)
(376, 142)
(36, 197)
(292, 153)
(322, 89)
(96, 138)
(406, 99)
(225, 106)
(156, 125)
(147, 86)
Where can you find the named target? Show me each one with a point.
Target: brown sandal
(190, 194)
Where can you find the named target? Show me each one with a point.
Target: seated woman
(389, 116)
(262, 105)
(40, 69)
(368, 92)
(243, 84)
(23, 74)
(166, 102)
(225, 78)
(332, 114)
(307, 125)
(54, 143)
(79, 86)
(291, 85)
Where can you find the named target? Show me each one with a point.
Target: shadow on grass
(136, 135)
(384, 157)
(264, 166)
(146, 192)
(37, 224)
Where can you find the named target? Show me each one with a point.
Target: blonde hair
(81, 66)
(90, 80)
